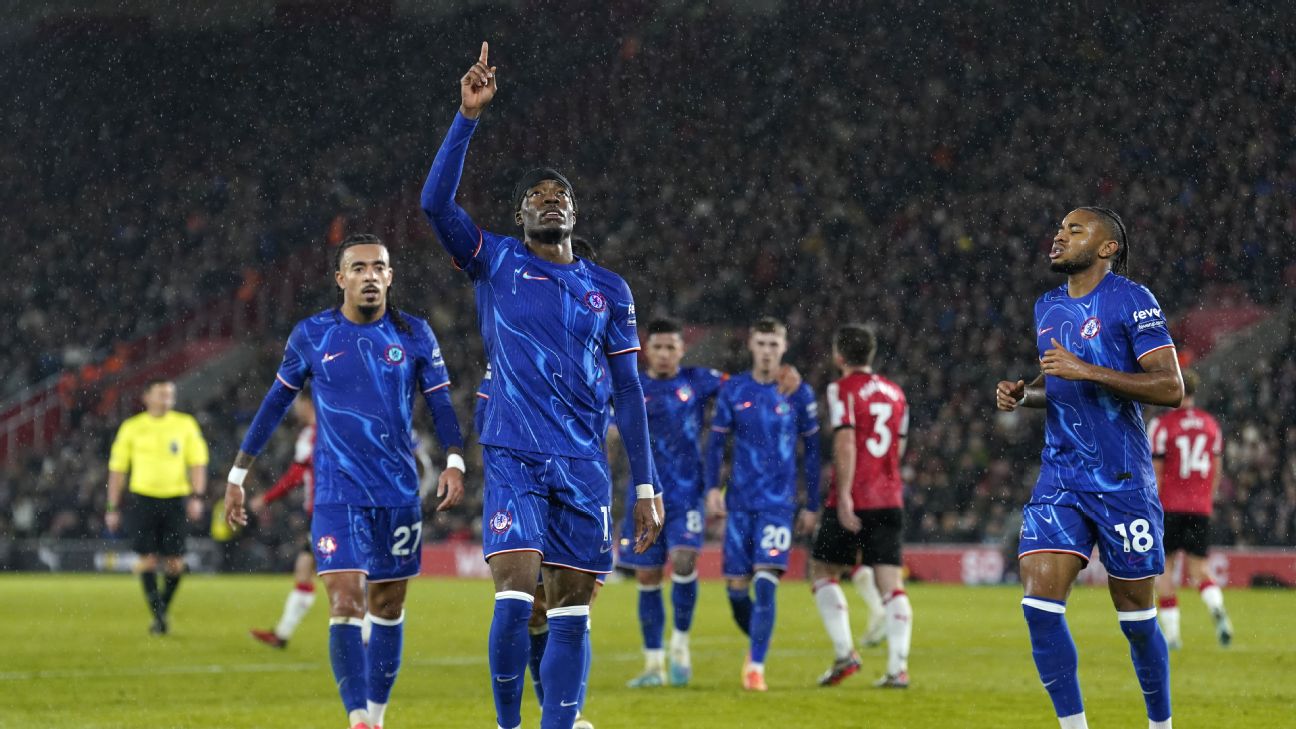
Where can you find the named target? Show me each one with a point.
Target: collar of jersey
(1106, 280)
(337, 311)
(576, 263)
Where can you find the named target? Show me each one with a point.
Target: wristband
(645, 491)
(236, 475)
(454, 460)
(111, 507)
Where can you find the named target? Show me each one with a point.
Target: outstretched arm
(632, 424)
(454, 228)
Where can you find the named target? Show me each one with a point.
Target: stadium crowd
(818, 166)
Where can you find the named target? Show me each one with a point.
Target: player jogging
(548, 322)
(366, 361)
(1187, 445)
(300, 473)
(864, 513)
(1104, 348)
(760, 500)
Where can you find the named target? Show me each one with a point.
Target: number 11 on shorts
(1139, 535)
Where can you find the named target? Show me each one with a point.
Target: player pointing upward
(548, 320)
(1104, 348)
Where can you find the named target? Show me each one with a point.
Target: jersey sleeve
(1146, 322)
(295, 367)
(807, 411)
(432, 373)
(119, 458)
(841, 408)
(466, 243)
(707, 382)
(195, 450)
(622, 333)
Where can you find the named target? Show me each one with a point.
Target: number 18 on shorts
(1126, 526)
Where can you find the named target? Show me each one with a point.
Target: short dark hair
(665, 325)
(583, 248)
(153, 381)
(856, 344)
(1191, 381)
(1116, 227)
(769, 325)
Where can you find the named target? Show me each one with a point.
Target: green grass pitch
(74, 652)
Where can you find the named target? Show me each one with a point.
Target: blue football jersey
(676, 408)
(765, 427)
(364, 381)
(1094, 440)
(548, 328)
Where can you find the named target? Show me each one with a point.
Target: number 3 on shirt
(1139, 535)
(403, 545)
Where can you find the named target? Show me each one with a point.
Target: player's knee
(684, 562)
(823, 570)
(649, 577)
(346, 604)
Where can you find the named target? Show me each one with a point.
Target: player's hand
(715, 505)
(648, 522)
(235, 515)
(847, 517)
(112, 521)
(1058, 362)
(478, 86)
(807, 521)
(257, 504)
(194, 508)
(450, 488)
(788, 379)
(1009, 395)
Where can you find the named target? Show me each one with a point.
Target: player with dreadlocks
(1103, 349)
(367, 361)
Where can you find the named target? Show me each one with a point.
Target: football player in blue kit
(549, 321)
(367, 361)
(1103, 349)
(761, 498)
(677, 399)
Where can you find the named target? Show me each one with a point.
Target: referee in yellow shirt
(166, 456)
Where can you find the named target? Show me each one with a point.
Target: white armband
(236, 475)
(454, 460)
(645, 491)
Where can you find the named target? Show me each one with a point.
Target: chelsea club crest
(1090, 328)
(393, 355)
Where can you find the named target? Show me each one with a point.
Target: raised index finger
(485, 51)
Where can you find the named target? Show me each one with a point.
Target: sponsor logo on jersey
(437, 361)
(500, 521)
(631, 320)
(1090, 328)
(393, 355)
(326, 545)
(596, 301)
(1142, 314)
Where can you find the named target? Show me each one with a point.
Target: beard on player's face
(549, 235)
(1081, 262)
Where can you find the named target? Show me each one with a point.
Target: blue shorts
(756, 540)
(558, 506)
(1127, 526)
(383, 542)
(682, 530)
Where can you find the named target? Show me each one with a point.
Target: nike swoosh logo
(530, 277)
(391, 675)
(566, 703)
(330, 357)
(505, 679)
(1042, 332)
(1050, 683)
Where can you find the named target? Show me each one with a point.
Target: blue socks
(1055, 653)
(538, 642)
(386, 638)
(568, 638)
(508, 648)
(589, 657)
(1151, 660)
(684, 595)
(762, 615)
(740, 603)
(347, 654)
(652, 616)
